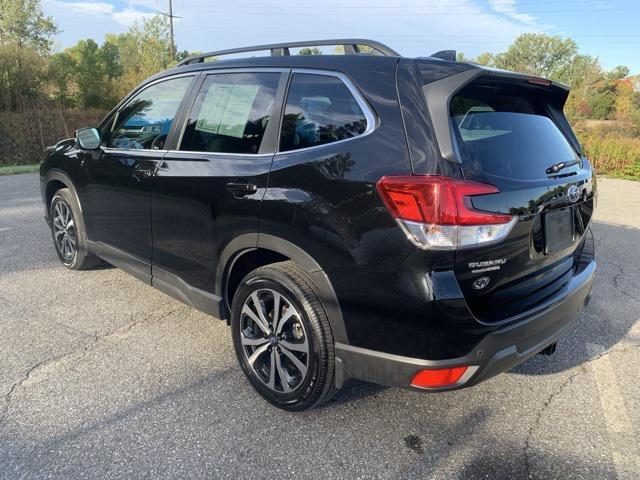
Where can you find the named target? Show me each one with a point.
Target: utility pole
(173, 53)
(171, 16)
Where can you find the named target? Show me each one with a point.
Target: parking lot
(101, 376)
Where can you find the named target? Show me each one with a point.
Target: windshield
(504, 132)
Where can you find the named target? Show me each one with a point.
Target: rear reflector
(442, 377)
(436, 212)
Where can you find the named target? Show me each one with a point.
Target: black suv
(414, 222)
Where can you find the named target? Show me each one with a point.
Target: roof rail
(351, 47)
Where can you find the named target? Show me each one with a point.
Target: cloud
(90, 8)
(508, 8)
(127, 16)
(150, 4)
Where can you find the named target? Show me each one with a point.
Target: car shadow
(352, 391)
(614, 305)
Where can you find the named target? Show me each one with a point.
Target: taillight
(436, 212)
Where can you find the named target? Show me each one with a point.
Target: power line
(509, 38)
(316, 11)
(364, 7)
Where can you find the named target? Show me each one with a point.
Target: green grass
(15, 169)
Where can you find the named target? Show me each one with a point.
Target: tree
(184, 54)
(601, 100)
(580, 70)
(581, 74)
(23, 24)
(21, 73)
(62, 68)
(619, 72)
(538, 54)
(310, 51)
(24, 39)
(90, 73)
(143, 51)
(485, 59)
(627, 103)
(110, 56)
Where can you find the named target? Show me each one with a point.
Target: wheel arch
(279, 249)
(55, 180)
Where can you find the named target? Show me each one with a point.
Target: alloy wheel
(64, 231)
(274, 340)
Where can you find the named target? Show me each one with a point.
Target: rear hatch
(511, 133)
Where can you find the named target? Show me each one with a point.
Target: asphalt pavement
(101, 376)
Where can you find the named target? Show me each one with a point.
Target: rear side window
(320, 109)
(231, 113)
(504, 131)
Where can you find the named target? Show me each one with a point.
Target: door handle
(142, 174)
(241, 188)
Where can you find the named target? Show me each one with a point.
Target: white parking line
(624, 444)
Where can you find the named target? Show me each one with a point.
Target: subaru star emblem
(573, 194)
(481, 282)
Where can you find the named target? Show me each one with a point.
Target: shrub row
(614, 154)
(24, 135)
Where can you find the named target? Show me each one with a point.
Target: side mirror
(88, 138)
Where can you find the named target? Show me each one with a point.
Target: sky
(607, 29)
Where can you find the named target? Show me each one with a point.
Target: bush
(25, 135)
(614, 154)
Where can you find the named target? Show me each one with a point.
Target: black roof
(349, 64)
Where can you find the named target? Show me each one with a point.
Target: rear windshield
(504, 131)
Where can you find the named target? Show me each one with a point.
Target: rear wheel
(282, 337)
(67, 229)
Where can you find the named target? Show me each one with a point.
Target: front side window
(231, 113)
(320, 109)
(145, 120)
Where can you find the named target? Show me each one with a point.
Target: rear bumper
(497, 352)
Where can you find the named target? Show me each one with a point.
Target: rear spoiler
(449, 55)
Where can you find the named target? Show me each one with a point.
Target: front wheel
(67, 229)
(282, 337)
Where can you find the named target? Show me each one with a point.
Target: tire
(68, 232)
(301, 321)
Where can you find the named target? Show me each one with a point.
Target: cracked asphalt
(104, 377)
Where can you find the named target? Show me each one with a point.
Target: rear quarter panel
(324, 200)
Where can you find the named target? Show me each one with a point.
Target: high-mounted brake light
(539, 81)
(436, 212)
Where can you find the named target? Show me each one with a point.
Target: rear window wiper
(556, 167)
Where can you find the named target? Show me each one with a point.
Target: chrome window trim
(369, 115)
(219, 154)
(144, 151)
(130, 97)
